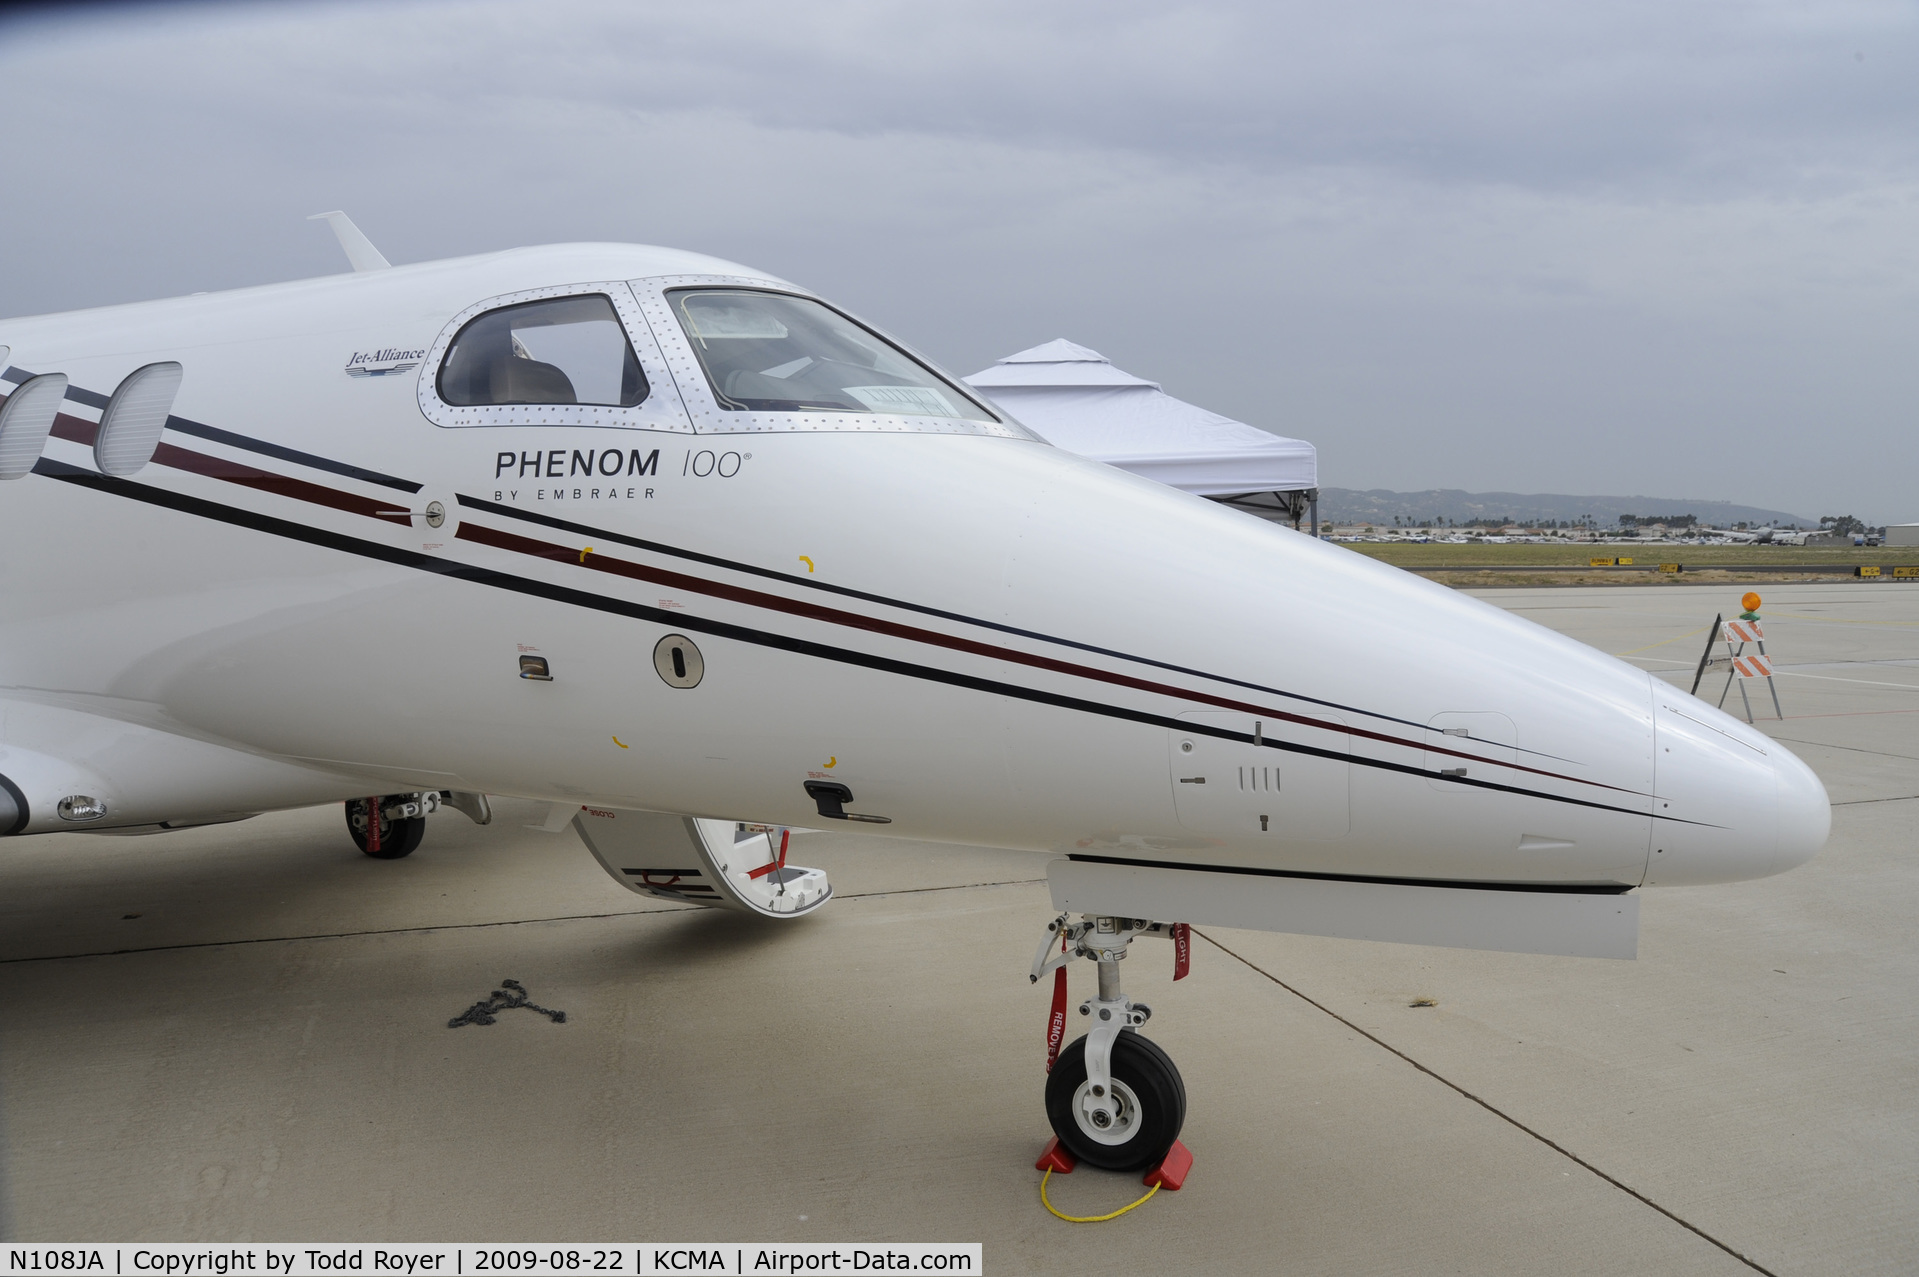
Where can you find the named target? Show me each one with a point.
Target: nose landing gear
(401, 824)
(402, 819)
(1114, 1098)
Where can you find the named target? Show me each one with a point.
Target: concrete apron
(717, 1079)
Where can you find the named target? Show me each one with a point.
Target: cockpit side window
(564, 350)
(773, 352)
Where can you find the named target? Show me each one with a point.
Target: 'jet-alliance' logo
(382, 363)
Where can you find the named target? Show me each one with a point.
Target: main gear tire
(397, 837)
(1149, 1097)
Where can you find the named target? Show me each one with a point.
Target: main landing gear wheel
(398, 836)
(1137, 1130)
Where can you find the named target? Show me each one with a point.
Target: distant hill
(1377, 505)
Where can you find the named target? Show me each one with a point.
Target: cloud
(1705, 96)
(1520, 246)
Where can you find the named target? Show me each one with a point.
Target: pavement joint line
(1782, 672)
(1504, 1116)
(1834, 678)
(1889, 663)
(1769, 720)
(1857, 749)
(958, 886)
(1662, 642)
(471, 926)
(1896, 798)
(1840, 620)
(1844, 713)
(1903, 662)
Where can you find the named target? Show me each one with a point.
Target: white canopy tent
(1078, 400)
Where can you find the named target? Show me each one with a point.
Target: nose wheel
(402, 823)
(1114, 1098)
(1134, 1122)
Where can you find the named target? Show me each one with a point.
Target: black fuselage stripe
(265, 448)
(682, 620)
(1544, 888)
(789, 578)
(471, 530)
(281, 453)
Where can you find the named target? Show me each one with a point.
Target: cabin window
(771, 352)
(565, 350)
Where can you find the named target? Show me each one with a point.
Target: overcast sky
(1661, 248)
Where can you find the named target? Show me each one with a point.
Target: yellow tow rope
(1086, 1219)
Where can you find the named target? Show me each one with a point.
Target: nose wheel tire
(397, 837)
(1148, 1105)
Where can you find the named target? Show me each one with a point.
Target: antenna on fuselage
(359, 249)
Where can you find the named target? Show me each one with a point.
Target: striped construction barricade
(1738, 635)
(1739, 663)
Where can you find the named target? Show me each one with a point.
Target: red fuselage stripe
(597, 562)
(79, 430)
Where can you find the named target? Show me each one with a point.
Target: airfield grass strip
(1504, 1116)
(481, 926)
(1466, 556)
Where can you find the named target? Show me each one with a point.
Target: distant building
(1902, 534)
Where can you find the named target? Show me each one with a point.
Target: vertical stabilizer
(359, 249)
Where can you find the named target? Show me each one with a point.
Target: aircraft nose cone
(1802, 811)
(1729, 802)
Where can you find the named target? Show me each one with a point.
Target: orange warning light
(1751, 601)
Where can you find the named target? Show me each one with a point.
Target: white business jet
(690, 553)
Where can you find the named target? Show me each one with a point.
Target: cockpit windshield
(770, 352)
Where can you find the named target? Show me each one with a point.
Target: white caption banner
(464, 1259)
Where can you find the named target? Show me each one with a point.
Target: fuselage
(985, 639)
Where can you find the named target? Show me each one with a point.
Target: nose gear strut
(1114, 1098)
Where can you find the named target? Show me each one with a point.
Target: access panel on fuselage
(1472, 745)
(1239, 776)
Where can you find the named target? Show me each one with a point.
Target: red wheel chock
(1056, 1158)
(1170, 1174)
